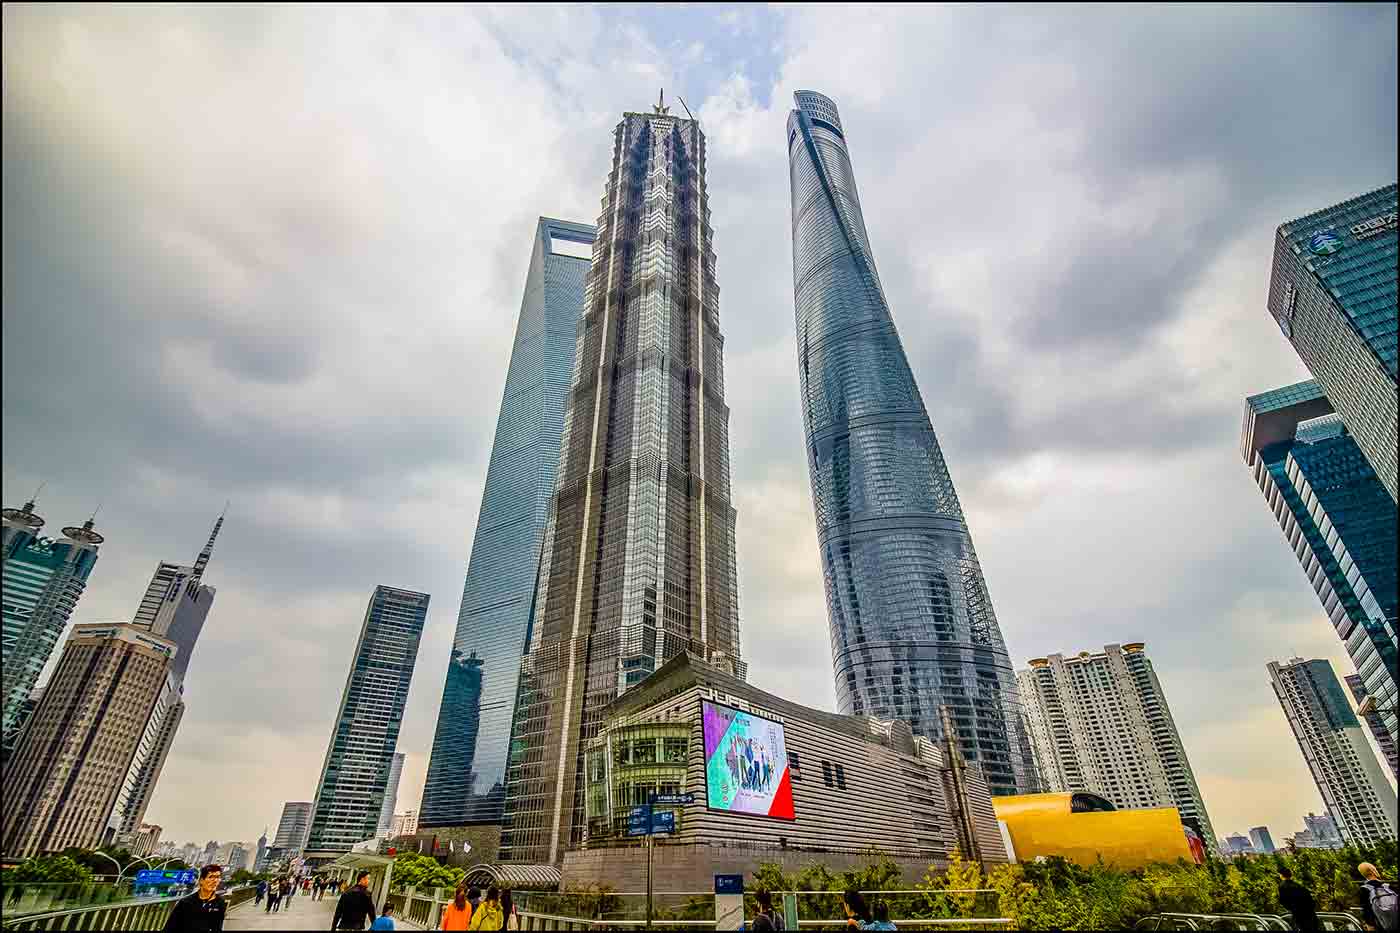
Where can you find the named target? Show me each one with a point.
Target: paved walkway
(303, 914)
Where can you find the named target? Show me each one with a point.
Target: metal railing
(1241, 921)
(144, 913)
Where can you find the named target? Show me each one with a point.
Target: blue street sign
(729, 884)
(673, 800)
(639, 821)
(154, 876)
(663, 821)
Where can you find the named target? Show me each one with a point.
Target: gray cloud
(236, 269)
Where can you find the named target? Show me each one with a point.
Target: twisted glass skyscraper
(912, 626)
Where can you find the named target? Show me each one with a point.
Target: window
(826, 773)
(796, 770)
(840, 777)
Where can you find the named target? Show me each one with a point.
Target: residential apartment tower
(1100, 722)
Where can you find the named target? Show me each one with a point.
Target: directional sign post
(648, 821)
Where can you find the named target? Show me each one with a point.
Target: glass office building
(912, 625)
(1333, 294)
(355, 775)
(466, 772)
(42, 580)
(1338, 519)
(638, 559)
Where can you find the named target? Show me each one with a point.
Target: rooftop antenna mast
(687, 109)
(202, 560)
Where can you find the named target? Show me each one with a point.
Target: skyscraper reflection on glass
(466, 773)
(912, 625)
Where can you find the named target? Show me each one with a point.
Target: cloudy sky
(274, 255)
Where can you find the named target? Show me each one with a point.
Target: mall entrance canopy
(514, 876)
(349, 865)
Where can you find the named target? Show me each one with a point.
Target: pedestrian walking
(355, 908)
(274, 897)
(1380, 900)
(261, 893)
(203, 909)
(458, 914)
(487, 914)
(289, 889)
(765, 920)
(385, 920)
(317, 887)
(1298, 901)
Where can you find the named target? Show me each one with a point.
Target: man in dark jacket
(203, 909)
(1298, 901)
(355, 909)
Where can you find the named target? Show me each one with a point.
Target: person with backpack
(487, 914)
(1298, 901)
(881, 910)
(767, 918)
(1380, 900)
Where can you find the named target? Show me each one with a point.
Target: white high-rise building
(404, 824)
(1100, 723)
(1359, 799)
(391, 794)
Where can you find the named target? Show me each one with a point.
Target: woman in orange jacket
(458, 914)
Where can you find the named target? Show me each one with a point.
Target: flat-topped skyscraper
(1340, 523)
(1333, 294)
(1359, 799)
(360, 754)
(911, 622)
(466, 773)
(638, 560)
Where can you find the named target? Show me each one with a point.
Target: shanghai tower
(911, 622)
(638, 561)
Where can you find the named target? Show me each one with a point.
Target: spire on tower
(661, 103)
(202, 560)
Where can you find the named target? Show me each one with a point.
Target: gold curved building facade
(1081, 827)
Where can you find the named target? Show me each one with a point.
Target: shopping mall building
(772, 781)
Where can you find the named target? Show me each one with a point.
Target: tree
(424, 871)
(48, 869)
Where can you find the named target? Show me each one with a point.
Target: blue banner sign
(729, 884)
(156, 876)
(663, 821)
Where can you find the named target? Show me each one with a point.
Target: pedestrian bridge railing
(144, 913)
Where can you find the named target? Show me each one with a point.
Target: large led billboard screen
(746, 765)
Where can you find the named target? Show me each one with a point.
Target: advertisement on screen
(746, 765)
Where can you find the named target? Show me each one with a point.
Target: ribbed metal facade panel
(911, 621)
(638, 560)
